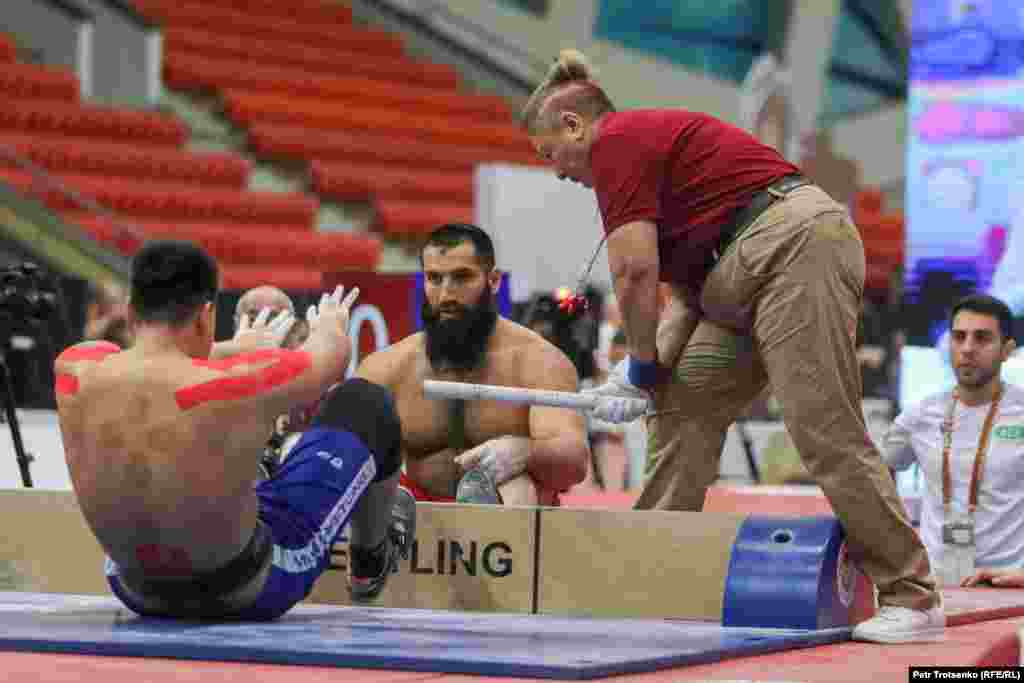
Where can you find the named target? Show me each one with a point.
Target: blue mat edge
(563, 672)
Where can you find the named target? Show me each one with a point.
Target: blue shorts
(305, 506)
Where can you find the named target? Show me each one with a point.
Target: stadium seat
(868, 201)
(241, 277)
(356, 91)
(237, 243)
(410, 220)
(355, 182)
(8, 48)
(327, 11)
(242, 23)
(199, 59)
(172, 201)
(34, 81)
(296, 142)
(47, 117)
(498, 133)
(63, 154)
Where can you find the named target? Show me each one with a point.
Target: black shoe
(397, 543)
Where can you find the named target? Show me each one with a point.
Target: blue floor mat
(403, 639)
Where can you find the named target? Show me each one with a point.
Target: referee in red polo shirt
(768, 276)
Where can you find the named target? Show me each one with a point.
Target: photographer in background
(108, 315)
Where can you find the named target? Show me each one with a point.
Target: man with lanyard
(969, 443)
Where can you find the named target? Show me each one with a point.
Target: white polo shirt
(915, 436)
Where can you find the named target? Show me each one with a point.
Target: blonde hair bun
(571, 65)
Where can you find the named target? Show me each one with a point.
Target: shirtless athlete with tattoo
(163, 443)
(529, 454)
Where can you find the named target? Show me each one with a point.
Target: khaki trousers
(780, 311)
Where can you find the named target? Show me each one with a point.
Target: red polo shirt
(686, 172)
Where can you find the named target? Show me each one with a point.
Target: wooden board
(466, 557)
(46, 546)
(648, 564)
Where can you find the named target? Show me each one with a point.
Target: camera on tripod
(27, 297)
(27, 294)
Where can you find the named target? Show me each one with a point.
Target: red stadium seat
(297, 142)
(360, 92)
(878, 280)
(41, 117)
(325, 11)
(355, 182)
(887, 252)
(231, 22)
(239, 243)
(247, 109)
(868, 200)
(403, 219)
(8, 49)
(61, 154)
(247, 277)
(33, 81)
(172, 201)
(195, 59)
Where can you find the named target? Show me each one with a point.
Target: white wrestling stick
(534, 397)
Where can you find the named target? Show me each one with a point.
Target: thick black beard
(460, 343)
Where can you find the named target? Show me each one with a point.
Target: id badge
(958, 533)
(958, 553)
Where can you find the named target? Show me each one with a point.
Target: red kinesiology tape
(66, 383)
(284, 366)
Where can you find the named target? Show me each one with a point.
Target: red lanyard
(979, 458)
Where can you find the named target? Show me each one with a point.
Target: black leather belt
(744, 217)
(202, 594)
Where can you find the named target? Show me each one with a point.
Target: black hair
(986, 305)
(171, 280)
(453, 234)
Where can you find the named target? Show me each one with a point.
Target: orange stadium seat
(200, 15)
(61, 154)
(174, 201)
(37, 82)
(245, 110)
(8, 49)
(200, 59)
(246, 277)
(296, 142)
(354, 182)
(877, 281)
(404, 219)
(366, 92)
(887, 252)
(240, 243)
(327, 11)
(868, 201)
(51, 117)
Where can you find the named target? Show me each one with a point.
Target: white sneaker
(903, 625)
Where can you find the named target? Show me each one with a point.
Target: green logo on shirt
(1010, 432)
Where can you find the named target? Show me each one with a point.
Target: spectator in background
(258, 298)
(266, 304)
(108, 315)
(975, 432)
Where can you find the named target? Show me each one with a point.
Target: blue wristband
(643, 373)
